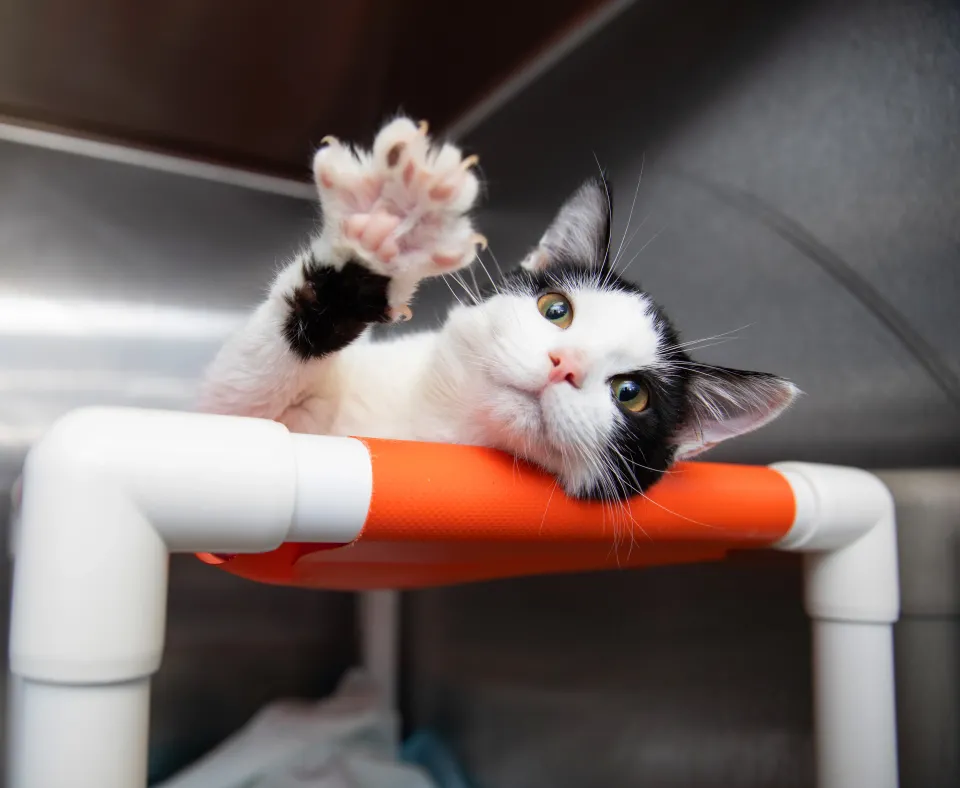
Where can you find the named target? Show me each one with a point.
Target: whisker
(547, 507)
(495, 261)
(652, 239)
(452, 291)
(493, 284)
(476, 287)
(466, 288)
(704, 347)
(630, 216)
(707, 339)
(647, 498)
(636, 232)
(606, 252)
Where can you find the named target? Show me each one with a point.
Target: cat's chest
(376, 390)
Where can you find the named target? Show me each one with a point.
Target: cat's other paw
(400, 209)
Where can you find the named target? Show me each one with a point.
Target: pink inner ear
(690, 453)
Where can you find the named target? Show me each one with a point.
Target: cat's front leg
(401, 209)
(391, 217)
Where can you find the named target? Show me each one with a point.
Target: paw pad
(393, 155)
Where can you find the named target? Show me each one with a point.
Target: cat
(563, 363)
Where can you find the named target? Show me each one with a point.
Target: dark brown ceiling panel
(258, 84)
(448, 55)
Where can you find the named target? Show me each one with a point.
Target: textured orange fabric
(444, 514)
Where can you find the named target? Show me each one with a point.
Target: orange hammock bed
(442, 514)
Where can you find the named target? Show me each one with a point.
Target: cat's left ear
(723, 403)
(580, 233)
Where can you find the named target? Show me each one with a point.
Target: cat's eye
(630, 393)
(556, 308)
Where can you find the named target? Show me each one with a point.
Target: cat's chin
(516, 420)
(543, 426)
(524, 435)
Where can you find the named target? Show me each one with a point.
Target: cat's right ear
(580, 232)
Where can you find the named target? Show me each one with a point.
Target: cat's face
(580, 372)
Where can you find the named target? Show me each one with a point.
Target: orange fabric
(445, 514)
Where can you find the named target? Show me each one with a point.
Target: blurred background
(800, 188)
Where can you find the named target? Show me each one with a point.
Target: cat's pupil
(628, 390)
(556, 311)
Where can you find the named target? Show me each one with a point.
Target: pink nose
(566, 367)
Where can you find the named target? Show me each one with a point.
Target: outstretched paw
(401, 208)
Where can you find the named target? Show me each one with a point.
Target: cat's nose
(567, 367)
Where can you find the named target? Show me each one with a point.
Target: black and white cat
(563, 363)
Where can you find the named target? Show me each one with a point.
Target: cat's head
(579, 371)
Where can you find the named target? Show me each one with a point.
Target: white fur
(255, 373)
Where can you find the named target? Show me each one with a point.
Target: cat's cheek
(469, 327)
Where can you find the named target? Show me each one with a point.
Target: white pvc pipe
(77, 737)
(854, 707)
(846, 523)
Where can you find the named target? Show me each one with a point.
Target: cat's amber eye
(630, 393)
(556, 308)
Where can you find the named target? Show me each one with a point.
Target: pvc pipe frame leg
(99, 734)
(854, 706)
(846, 524)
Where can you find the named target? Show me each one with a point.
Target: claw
(423, 127)
(470, 161)
(329, 140)
(400, 314)
(479, 240)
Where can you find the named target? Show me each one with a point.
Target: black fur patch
(333, 307)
